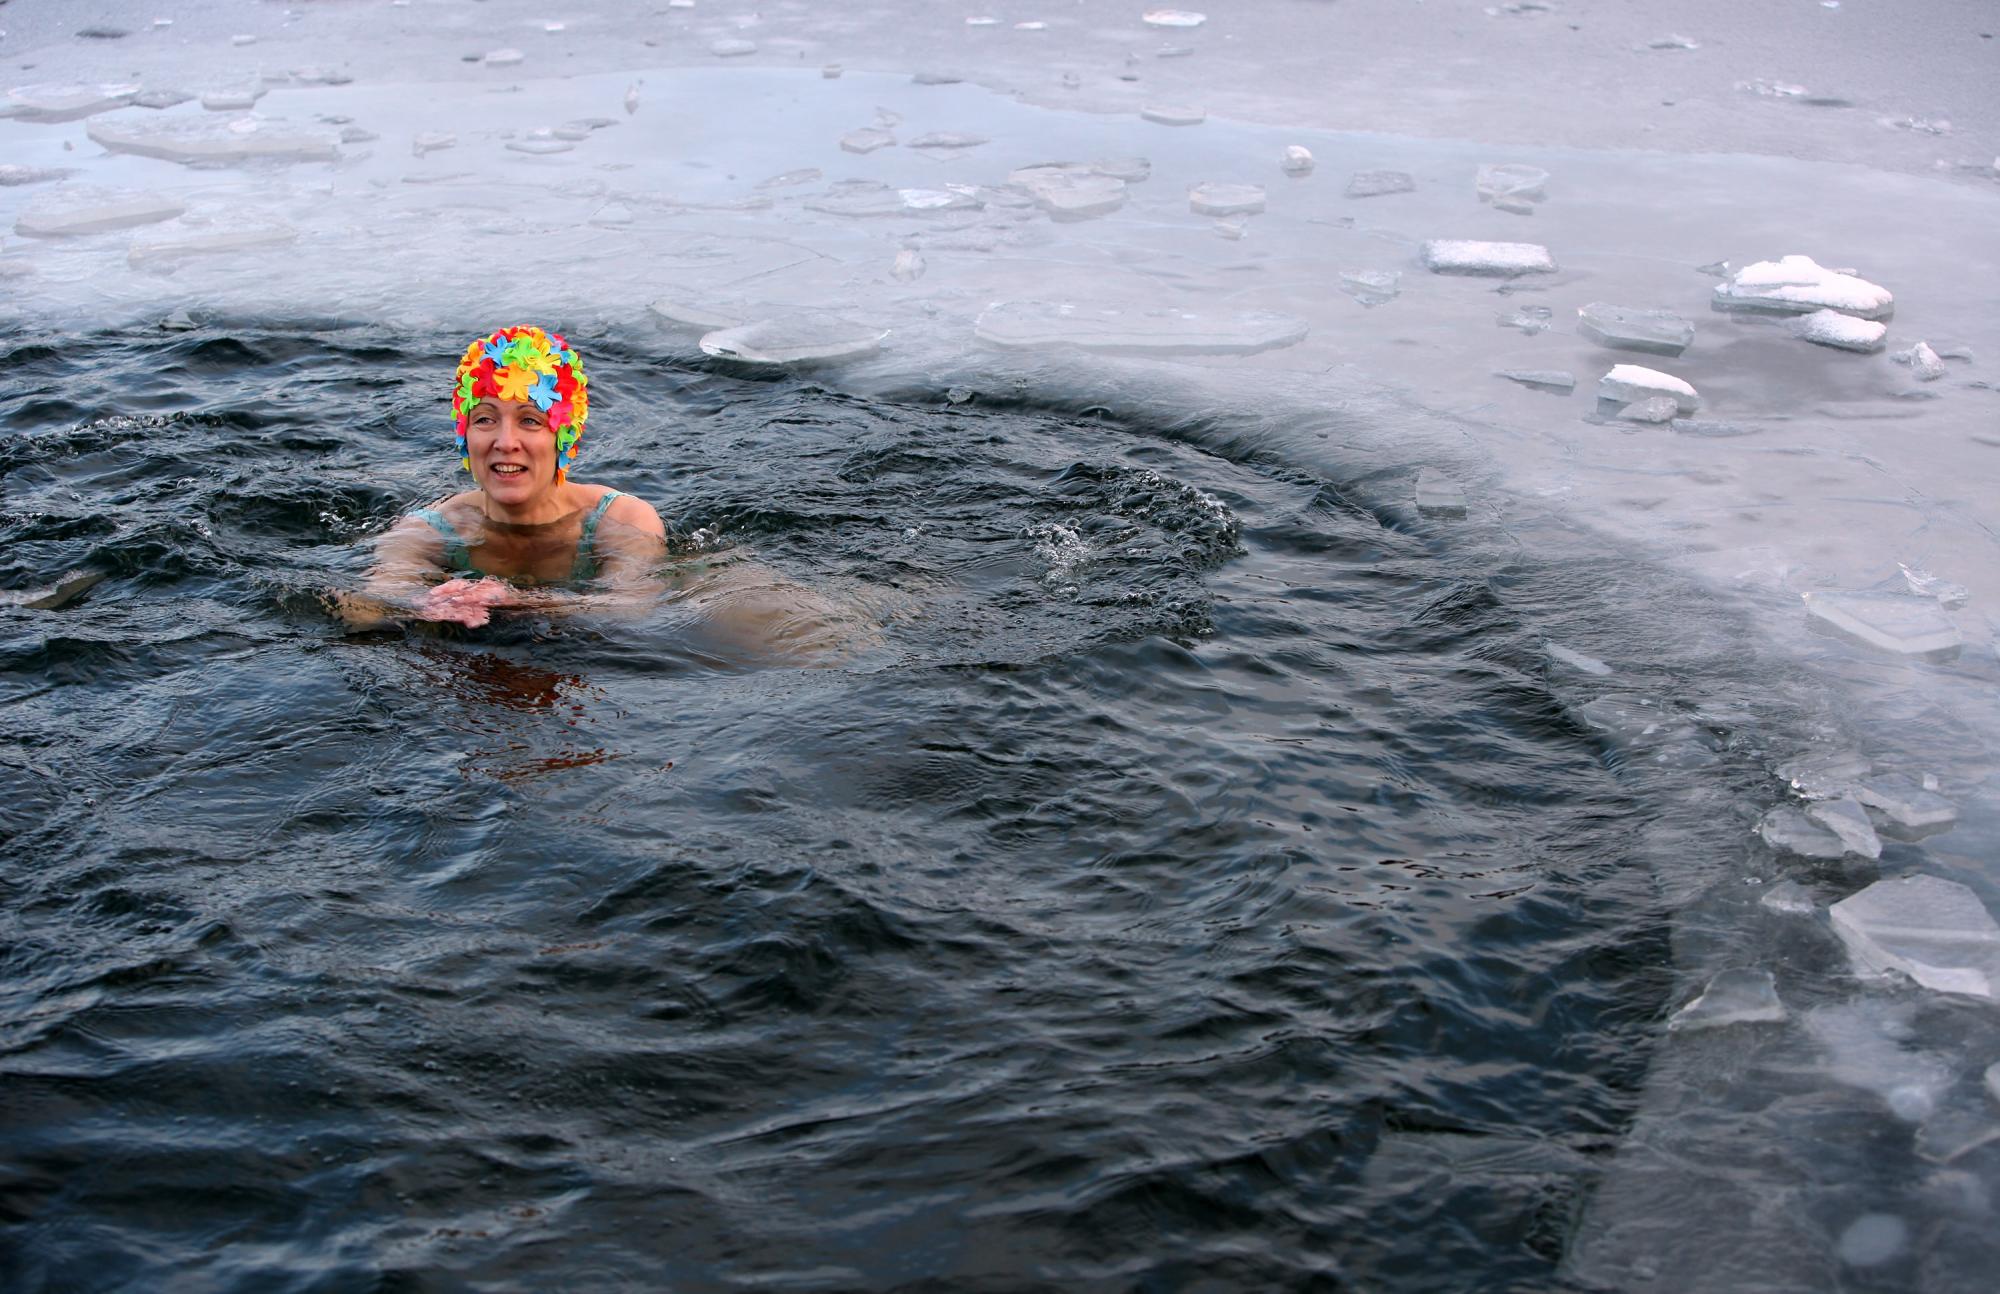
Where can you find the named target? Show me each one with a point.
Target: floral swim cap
(523, 363)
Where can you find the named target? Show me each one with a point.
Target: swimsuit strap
(455, 552)
(586, 557)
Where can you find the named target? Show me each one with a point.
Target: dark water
(1206, 887)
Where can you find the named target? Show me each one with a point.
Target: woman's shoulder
(626, 509)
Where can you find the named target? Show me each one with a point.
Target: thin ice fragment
(1732, 997)
(1654, 409)
(1172, 114)
(794, 339)
(1842, 332)
(1787, 898)
(1933, 930)
(1845, 818)
(866, 140)
(1371, 287)
(1437, 495)
(1542, 379)
(1296, 160)
(1511, 186)
(1656, 332)
(1628, 383)
(1576, 660)
(1469, 256)
(1893, 622)
(1789, 831)
(1906, 803)
(1374, 184)
(1219, 199)
(72, 210)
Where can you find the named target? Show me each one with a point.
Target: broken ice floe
(1173, 114)
(1925, 364)
(53, 597)
(1501, 260)
(1511, 186)
(1296, 160)
(431, 142)
(1866, 1045)
(1542, 379)
(1847, 819)
(1892, 622)
(732, 47)
(1657, 332)
(1371, 287)
(1172, 18)
(167, 253)
(1529, 319)
(503, 57)
(1933, 930)
(1218, 199)
(1654, 409)
(1629, 383)
(868, 198)
(539, 141)
(1732, 997)
(1437, 495)
(908, 266)
(804, 175)
(1576, 660)
(206, 140)
(1070, 190)
(77, 209)
(946, 141)
(1950, 596)
(1823, 774)
(794, 339)
(1789, 831)
(1670, 42)
(59, 103)
(1800, 285)
(12, 176)
(1018, 324)
(866, 140)
(1788, 899)
(240, 98)
(1906, 804)
(1842, 331)
(1375, 184)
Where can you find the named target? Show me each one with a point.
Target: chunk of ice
(1374, 184)
(946, 141)
(631, 99)
(162, 97)
(1218, 199)
(431, 141)
(1824, 775)
(1657, 332)
(732, 47)
(804, 175)
(1101, 329)
(1790, 831)
(1628, 383)
(538, 142)
(208, 140)
(1732, 997)
(1787, 899)
(1891, 622)
(1846, 818)
(1129, 169)
(1654, 409)
(1950, 596)
(57, 103)
(1933, 930)
(1709, 428)
(1173, 114)
(1925, 364)
(867, 198)
(1671, 42)
(239, 98)
(909, 266)
(1437, 495)
(794, 339)
(1543, 379)
(936, 76)
(11, 175)
(88, 209)
(866, 140)
(1873, 1239)
(1865, 1045)
(53, 597)
(165, 254)
(1529, 319)
(503, 57)
(1800, 285)
(1070, 191)
(1371, 287)
(1842, 332)
(1511, 186)
(1172, 18)
(1296, 160)
(1469, 256)
(1576, 660)
(1906, 803)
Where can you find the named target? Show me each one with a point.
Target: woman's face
(513, 450)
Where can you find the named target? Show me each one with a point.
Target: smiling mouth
(508, 469)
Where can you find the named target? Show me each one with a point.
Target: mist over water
(1321, 813)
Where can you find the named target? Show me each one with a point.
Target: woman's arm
(408, 559)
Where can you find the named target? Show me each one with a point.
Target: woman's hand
(466, 602)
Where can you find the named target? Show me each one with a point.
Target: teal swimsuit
(460, 556)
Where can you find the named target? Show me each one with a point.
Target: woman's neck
(540, 511)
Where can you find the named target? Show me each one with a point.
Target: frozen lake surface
(1706, 310)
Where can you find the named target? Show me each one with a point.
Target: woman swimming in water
(520, 402)
(529, 537)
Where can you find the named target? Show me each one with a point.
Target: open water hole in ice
(1205, 883)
